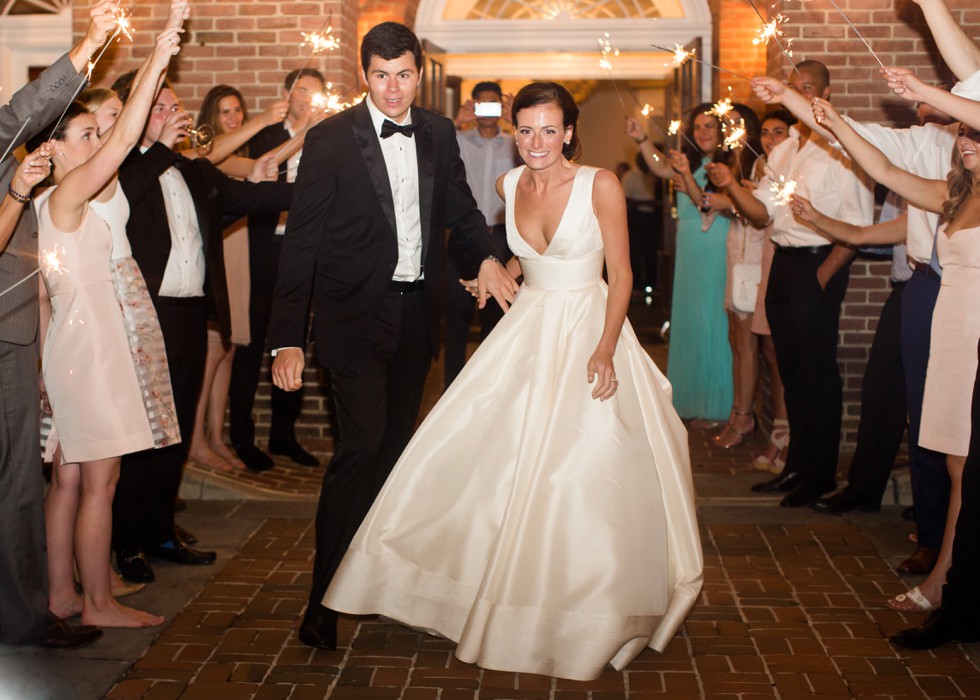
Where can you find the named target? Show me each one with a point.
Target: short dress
(952, 369)
(104, 364)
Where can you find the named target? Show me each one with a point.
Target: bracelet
(643, 140)
(493, 258)
(17, 196)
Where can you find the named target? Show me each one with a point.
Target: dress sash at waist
(563, 273)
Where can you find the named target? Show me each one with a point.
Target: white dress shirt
(823, 175)
(486, 160)
(402, 165)
(925, 150)
(185, 271)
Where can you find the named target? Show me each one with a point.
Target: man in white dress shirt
(807, 284)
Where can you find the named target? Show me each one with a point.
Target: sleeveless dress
(89, 375)
(544, 531)
(952, 368)
(700, 358)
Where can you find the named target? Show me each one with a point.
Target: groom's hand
(287, 368)
(494, 281)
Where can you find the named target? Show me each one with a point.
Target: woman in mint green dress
(700, 360)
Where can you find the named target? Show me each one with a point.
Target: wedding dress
(543, 530)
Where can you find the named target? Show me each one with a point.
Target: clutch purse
(745, 285)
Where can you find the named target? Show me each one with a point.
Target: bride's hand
(601, 371)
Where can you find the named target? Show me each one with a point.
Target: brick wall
(249, 44)
(733, 49)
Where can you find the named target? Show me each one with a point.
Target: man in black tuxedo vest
(175, 226)
(265, 234)
(377, 186)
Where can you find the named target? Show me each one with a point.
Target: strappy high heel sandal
(731, 436)
(779, 439)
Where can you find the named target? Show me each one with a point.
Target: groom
(377, 186)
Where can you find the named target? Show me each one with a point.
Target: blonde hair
(93, 98)
(959, 187)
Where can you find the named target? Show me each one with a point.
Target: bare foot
(206, 457)
(115, 614)
(223, 451)
(66, 607)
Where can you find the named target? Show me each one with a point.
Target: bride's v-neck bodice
(575, 256)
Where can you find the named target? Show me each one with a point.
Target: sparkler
(784, 191)
(734, 137)
(124, 26)
(50, 261)
(319, 41)
(605, 51)
(771, 30)
(681, 56)
(721, 108)
(859, 35)
(774, 34)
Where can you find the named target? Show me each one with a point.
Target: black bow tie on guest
(389, 127)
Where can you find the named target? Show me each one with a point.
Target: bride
(543, 514)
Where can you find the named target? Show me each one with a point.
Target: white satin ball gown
(543, 530)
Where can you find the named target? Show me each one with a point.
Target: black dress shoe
(255, 459)
(786, 481)
(804, 494)
(922, 561)
(179, 553)
(319, 628)
(64, 636)
(940, 627)
(843, 501)
(292, 449)
(133, 565)
(183, 535)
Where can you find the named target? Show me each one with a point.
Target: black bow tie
(389, 127)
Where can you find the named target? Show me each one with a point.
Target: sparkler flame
(784, 190)
(51, 260)
(646, 111)
(332, 101)
(735, 135)
(721, 108)
(771, 30)
(123, 24)
(606, 50)
(680, 55)
(321, 41)
(675, 126)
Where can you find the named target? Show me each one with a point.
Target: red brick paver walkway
(787, 611)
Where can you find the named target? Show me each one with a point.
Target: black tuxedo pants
(884, 415)
(960, 591)
(460, 303)
(246, 366)
(377, 399)
(143, 507)
(804, 320)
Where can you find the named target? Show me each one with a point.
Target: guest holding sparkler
(774, 130)
(265, 236)
(806, 289)
(24, 614)
(700, 361)
(97, 401)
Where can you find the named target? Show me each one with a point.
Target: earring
(568, 143)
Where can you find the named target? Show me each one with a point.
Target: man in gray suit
(24, 615)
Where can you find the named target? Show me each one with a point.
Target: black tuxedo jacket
(340, 246)
(214, 194)
(262, 225)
